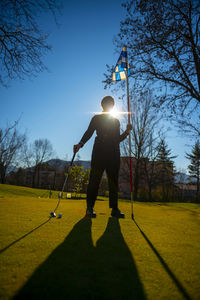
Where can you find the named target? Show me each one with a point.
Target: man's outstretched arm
(87, 135)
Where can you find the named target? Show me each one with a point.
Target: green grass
(13, 191)
(156, 257)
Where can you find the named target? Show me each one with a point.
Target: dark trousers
(109, 161)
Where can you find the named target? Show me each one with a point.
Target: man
(105, 156)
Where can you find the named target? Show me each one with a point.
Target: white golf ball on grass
(52, 214)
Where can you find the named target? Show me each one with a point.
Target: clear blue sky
(57, 104)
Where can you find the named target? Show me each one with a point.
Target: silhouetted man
(105, 156)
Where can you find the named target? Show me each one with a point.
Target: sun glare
(114, 112)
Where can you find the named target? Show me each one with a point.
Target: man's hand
(77, 147)
(129, 127)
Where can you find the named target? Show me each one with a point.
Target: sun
(114, 112)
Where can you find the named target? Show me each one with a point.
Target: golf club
(53, 214)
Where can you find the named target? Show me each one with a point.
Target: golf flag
(120, 73)
(121, 66)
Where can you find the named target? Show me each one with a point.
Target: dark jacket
(108, 133)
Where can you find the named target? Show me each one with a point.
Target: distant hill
(183, 178)
(59, 163)
(56, 163)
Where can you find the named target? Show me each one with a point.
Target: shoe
(90, 213)
(117, 213)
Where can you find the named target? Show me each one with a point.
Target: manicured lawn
(155, 257)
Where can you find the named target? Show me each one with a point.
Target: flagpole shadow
(23, 236)
(77, 269)
(164, 264)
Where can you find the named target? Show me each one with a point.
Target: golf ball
(52, 214)
(60, 216)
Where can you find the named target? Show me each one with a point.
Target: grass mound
(13, 190)
(157, 256)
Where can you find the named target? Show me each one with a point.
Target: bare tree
(11, 142)
(149, 164)
(22, 41)
(42, 150)
(190, 126)
(34, 155)
(144, 121)
(163, 39)
(26, 156)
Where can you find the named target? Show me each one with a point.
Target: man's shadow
(77, 269)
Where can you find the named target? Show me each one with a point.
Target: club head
(52, 214)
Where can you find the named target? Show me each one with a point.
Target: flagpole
(130, 160)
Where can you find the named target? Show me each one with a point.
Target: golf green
(157, 256)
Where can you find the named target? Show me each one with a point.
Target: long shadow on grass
(23, 236)
(77, 269)
(164, 264)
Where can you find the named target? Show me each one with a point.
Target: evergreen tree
(165, 169)
(194, 167)
(77, 176)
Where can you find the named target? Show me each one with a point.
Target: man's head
(107, 103)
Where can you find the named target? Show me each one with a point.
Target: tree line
(153, 161)
(23, 163)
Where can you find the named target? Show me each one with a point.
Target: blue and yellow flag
(121, 67)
